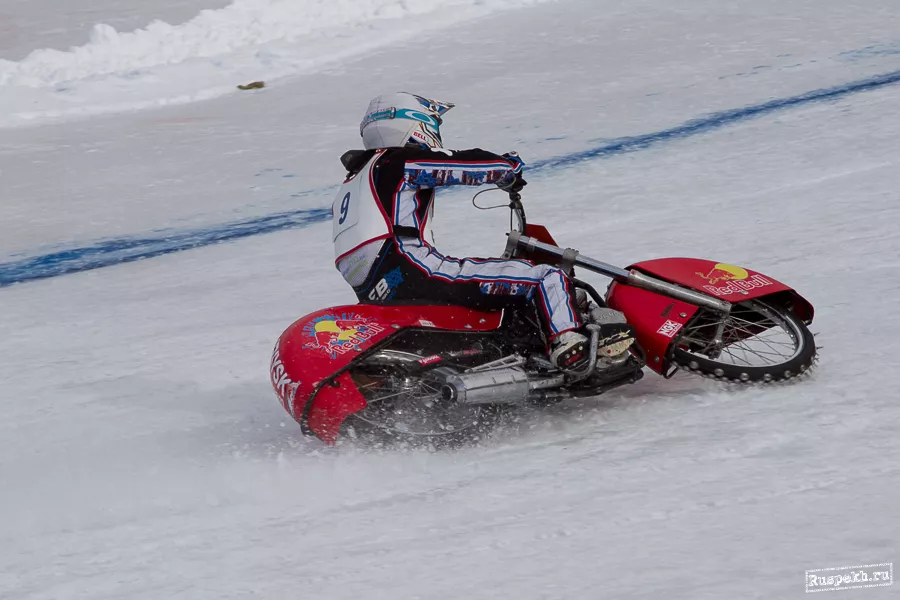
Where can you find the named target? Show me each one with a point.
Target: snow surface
(143, 454)
(208, 55)
(27, 25)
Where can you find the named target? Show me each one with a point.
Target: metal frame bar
(635, 278)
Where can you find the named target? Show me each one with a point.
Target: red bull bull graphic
(723, 272)
(338, 334)
(737, 280)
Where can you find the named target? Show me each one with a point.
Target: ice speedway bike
(439, 374)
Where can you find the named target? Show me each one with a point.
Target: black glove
(514, 182)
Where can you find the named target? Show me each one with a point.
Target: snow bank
(270, 38)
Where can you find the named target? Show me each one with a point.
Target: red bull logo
(339, 334)
(723, 272)
(737, 280)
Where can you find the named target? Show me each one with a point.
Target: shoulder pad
(354, 160)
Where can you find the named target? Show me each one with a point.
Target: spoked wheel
(755, 342)
(410, 407)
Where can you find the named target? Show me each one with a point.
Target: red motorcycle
(440, 373)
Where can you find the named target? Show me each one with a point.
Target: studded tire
(411, 409)
(798, 364)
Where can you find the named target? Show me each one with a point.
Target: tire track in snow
(127, 249)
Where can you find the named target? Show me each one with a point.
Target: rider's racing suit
(382, 237)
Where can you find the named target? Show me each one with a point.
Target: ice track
(143, 455)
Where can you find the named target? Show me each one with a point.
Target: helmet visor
(434, 106)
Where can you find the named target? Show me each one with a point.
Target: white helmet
(395, 120)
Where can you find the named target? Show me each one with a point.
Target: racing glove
(514, 181)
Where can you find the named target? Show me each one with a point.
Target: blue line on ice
(120, 250)
(715, 121)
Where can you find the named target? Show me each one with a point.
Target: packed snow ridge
(215, 33)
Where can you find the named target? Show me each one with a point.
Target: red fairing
(319, 345)
(656, 319)
(723, 281)
(540, 233)
(716, 279)
(332, 405)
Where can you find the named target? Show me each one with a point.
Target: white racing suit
(381, 232)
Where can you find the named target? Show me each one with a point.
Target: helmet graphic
(395, 120)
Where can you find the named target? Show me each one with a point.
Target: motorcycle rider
(383, 240)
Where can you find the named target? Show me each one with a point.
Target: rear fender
(310, 365)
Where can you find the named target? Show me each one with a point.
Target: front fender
(657, 318)
(724, 281)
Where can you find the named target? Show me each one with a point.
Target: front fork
(717, 342)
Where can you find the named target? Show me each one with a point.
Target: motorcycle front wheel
(755, 342)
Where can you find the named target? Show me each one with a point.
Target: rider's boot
(570, 350)
(615, 338)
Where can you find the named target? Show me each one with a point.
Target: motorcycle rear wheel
(759, 343)
(407, 407)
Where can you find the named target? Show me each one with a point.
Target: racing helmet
(400, 119)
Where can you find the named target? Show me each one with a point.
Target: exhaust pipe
(509, 385)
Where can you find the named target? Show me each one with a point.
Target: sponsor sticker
(738, 286)
(386, 288)
(430, 360)
(336, 335)
(669, 328)
(281, 381)
(505, 289)
(736, 279)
